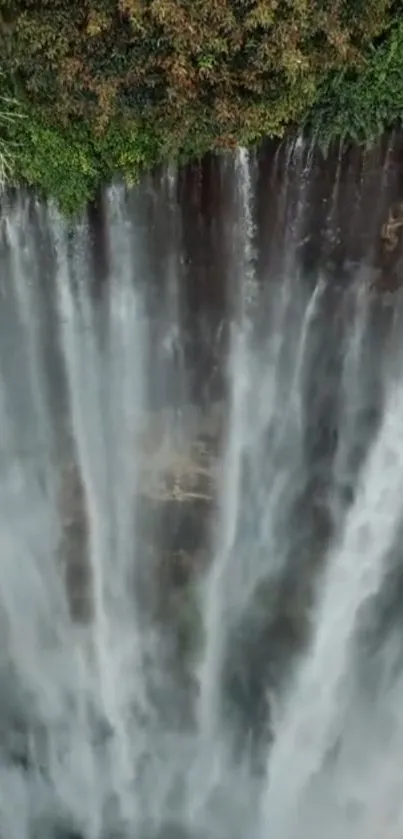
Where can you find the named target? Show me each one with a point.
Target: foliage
(68, 162)
(358, 105)
(111, 86)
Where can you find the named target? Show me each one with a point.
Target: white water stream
(262, 695)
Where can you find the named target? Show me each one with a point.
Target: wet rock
(182, 525)
(51, 828)
(173, 506)
(73, 548)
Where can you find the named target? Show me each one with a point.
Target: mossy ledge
(94, 89)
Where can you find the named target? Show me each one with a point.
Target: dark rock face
(175, 499)
(74, 546)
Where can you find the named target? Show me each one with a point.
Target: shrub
(359, 104)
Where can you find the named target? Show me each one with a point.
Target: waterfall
(201, 485)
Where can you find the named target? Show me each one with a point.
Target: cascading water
(201, 485)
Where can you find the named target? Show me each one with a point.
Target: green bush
(68, 162)
(360, 104)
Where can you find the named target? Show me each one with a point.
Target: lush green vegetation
(112, 86)
(358, 104)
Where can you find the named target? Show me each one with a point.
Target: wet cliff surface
(193, 379)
